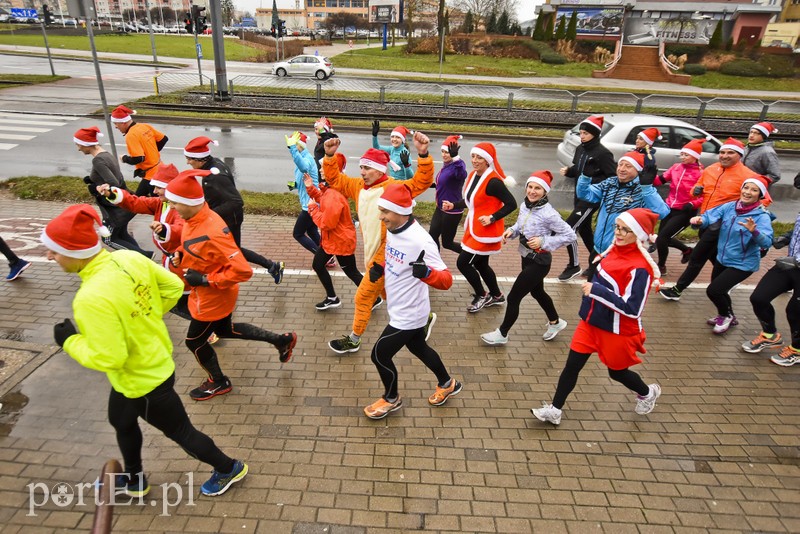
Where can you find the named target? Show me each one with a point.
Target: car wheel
(280, 72)
(320, 75)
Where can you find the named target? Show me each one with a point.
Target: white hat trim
(126, 118)
(735, 148)
(183, 200)
(647, 139)
(366, 162)
(758, 183)
(158, 183)
(632, 162)
(48, 242)
(690, 152)
(634, 225)
(196, 155)
(482, 153)
(396, 208)
(85, 143)
(397, 134)
(539, 181)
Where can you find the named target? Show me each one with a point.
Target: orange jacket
(332, 216)
(721, 185)
(208, 247)
(141, 140)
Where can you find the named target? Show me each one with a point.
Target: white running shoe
(645, 405)
(547, 414)
(553, 329)
(494, 338)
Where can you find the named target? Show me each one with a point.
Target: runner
(16, 264)
(130, 344)
(449, 184)
(611, 313)
(365, 191)
(144, 144)
(324, 130)
(489, 202)
(644, 145)
(408, 301)
(225, 200)
(399, 155)
(540, 230)
(305, 231)
(759, 154)
(214, 266)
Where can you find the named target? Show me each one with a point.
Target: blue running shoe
(220, 482)
(135, 486)
(16, 269)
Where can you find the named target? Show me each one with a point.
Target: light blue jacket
(738, 247)
(403, 173)
(303, 163)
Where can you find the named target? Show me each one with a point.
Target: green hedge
(777, 66)
(743, 67)
(694, 68)
(553, 58)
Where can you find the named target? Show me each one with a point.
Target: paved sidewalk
(718, 454)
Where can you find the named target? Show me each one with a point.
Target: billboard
(594, 21)
(649, 31)
(386, 11)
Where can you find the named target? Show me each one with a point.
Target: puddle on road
(11, 405)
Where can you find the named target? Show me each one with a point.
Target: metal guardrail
(365, 90)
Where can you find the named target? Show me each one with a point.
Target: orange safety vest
(480, 239)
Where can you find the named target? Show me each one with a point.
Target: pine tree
(548, 32)
(715, 43)
(561, 32)
(469, 25)
(503, 23)
(538, 31)
(491, 25)
(572, 29)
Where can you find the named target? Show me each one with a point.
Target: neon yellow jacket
(118, 311)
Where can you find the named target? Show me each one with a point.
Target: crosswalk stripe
(22, 129)
(37, 116)
(4, 120)
(13, 137)
(6, 146)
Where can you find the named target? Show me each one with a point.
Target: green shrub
(553, 58)
(743, 67)
(694, 68)
(777, 66)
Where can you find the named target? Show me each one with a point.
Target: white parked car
(619, 135)
(306, 65)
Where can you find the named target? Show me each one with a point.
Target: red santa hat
(650, 135)
(375, 159)
(341, 161)
(185, 188)
(323, 125)
(397, 198)
(401, 132)
(73, 233)
(122, 114)
(593, 125)
(543, 178)
(303, 139)
(488, 152)
(762, 182)
(642, 222)
(451, 139)
(634, 158)
(693, 148)
(87, 136)
(764, 128)
(197, 148)
(733, 144)
(164, 175)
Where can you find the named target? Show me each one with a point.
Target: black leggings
(722, 281)
(199, 331)
(580, 220)
(234, 219)
(390, 343)
(347, 263)
(305, 232)
(163, 409)
(674, 223)
(144, 189)
(474, 267)
(774, 283)
(705, 250)
(445, 225)
(529, 281)
(573, 367)
(8, 253)
(117, 219)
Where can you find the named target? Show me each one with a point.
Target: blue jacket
(303, 163)
(738, 247)
(403, 173)
(614, 198)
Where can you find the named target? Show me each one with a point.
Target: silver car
(306, 65)
(619, 135)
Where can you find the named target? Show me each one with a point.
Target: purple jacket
(450, 183)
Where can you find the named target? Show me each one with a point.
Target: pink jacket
(682, 179)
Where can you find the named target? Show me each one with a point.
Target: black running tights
(445, 225)
(474, 267)
(673, 224)
(8, 253)
(774, 283)
(347, 263)
(529, 281)
(580, 220)
(722, 281)
(573, 367)
(163, 409)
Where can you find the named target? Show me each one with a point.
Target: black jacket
(221, 194)
(594, 160)
(319, 148)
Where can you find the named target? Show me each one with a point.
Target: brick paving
(718, 454)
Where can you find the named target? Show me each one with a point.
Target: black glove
(780, 242)
(405, 158)
(452, 149)
(590, 168)
(375, 272)
(126, 159)
(195, 278)
(647, 176)
(688, 207)
(697, 191)
(139, 173)
(797, 181)
(163, 232)
(786, 264)
(376, 127)
(419, 269)
(87, 180)
(63, 330)
(93, 191)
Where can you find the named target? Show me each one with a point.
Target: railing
(617, 55)
(664, 61)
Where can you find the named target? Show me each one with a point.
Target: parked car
(306, 65)
(619, 135)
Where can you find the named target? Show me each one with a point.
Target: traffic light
(282, 28)
(187, 22)
(272, 30)
(201, 24)
(48, 15)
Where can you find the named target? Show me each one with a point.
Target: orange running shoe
(381, 408)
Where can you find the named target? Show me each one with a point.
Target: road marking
(4, 120)
(13, 137)
(6, 146)
(14, 115)
(21, 129)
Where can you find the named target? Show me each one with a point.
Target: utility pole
(150, 28)
(218, 39)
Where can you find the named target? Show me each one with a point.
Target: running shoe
(662, 269)
(331, 263)
(645, 405)
(712, 321)
(495, 301)
(285, 350)
(760, 342)
(220, 482)
(494, 338)
(547, 414)
(213, 338)
(569, 273)
(429, 325)
(381, 408)
(787, 357)
(670, 293)
(16, 269)
(209, 389)
(135, 486)
(441, 394)
(329, 302)
(344, 345)
(277, 271)
(724, 323)
(553, 329)
(378, 302)
(686, 254)
(478, 302)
